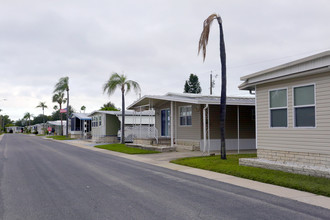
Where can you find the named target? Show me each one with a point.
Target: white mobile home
(106, 124)
(193, 120)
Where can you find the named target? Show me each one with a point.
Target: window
(185, 115)
(278, 108)
(100, 120)
(304, 106)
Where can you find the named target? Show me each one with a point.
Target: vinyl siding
(192, 132)
(316, 140)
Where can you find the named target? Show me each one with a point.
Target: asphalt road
(43, 179)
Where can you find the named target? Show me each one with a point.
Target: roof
(314, 64)
(57, 123)
(148, 101)
(127, 113)
(81, 116)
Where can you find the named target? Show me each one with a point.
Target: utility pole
(212, 81)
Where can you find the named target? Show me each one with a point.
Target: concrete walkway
(162, 160)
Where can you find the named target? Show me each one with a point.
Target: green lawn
(60, 137)
(230, 166)
(125, 149)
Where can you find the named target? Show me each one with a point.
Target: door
(165, 122)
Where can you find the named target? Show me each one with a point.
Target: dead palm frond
(204, 38)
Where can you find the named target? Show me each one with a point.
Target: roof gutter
(247, 86)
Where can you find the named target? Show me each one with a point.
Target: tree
(6, 120)
(202, 46)
(83, 108)
(55, 107)
(27, 117)
(124, 84)
(43, 106)
(192, 85)
(59, 98)
(109, 107)
(61, 86)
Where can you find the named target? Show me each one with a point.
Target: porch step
(186, 147)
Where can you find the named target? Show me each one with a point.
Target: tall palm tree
(124, 84)
(43, 106)
(202, 46)
(59, 98)
(61, 86)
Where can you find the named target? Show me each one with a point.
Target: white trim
(278, 108)
(302, 106)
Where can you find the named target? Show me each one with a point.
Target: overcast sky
(152, 42)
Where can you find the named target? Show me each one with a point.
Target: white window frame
(301, 106)
(100, 120)
(277, 108)
(185, 125)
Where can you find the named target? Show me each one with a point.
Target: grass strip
(60, 137)
(316, 185)
(122, 148)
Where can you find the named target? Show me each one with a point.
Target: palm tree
(202, 46)
(43, 106)
(83, 108)
(59, 98)
(124, 84)
(61, 86)
(27, 117)
(55, 107)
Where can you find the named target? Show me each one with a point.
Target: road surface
(43, 179)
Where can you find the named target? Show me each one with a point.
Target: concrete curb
(305, 197)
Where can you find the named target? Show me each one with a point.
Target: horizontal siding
(192, 132)
(291, 138)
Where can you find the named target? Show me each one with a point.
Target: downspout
(204, 127)
(238, 143)
(172, 125)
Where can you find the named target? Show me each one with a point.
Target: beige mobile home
(293, 111)
(193, 121)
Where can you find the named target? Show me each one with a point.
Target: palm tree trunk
(123, 116)
(67, 113)
(223, 91)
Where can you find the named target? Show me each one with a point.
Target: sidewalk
(162, 160)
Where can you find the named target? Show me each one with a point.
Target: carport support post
(172, 125)
(238, 129)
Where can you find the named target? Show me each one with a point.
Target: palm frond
(62, 85)
(204, 38)
(114, 81)
(42, 105)
(134, 84)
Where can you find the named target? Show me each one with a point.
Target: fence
(140, 132)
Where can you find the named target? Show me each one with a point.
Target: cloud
(152, 42)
